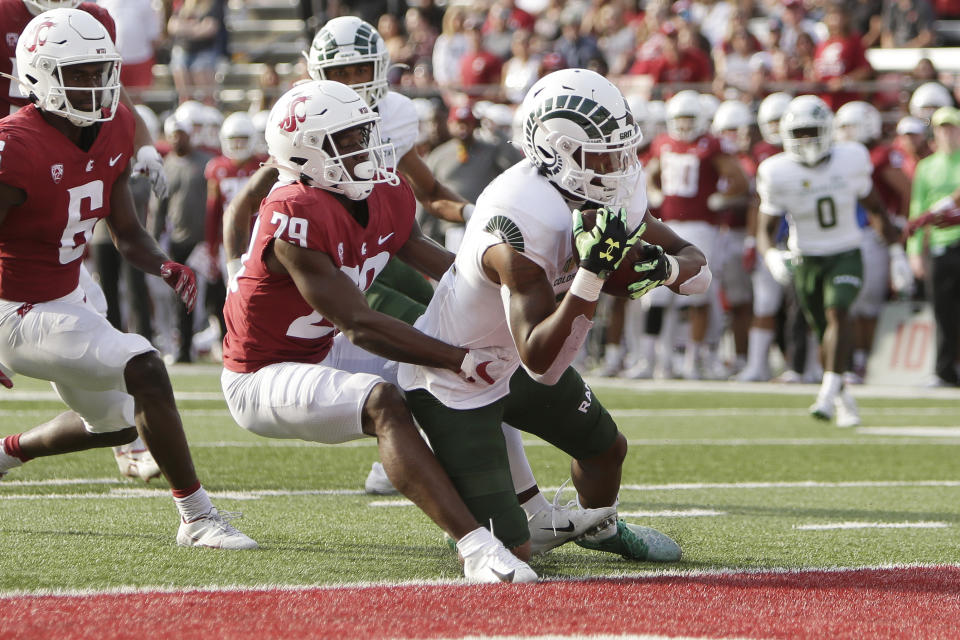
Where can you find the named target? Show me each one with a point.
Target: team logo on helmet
(40, 35)
(364, 42)
(294, 116)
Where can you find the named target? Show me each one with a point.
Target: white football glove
(485, 365)
(148, 161)
(901, 275)
(778, 264)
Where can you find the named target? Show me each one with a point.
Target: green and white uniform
(462, 419)
(820, 204)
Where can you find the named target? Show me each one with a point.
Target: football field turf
(739, 475)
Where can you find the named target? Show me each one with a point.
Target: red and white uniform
(47, 328)
(288, 372)
(881, 157)
(687, 178)
(735, 279)
(14, 17)
(230, 178)
(763, 150)
(873, 248)
(68, 191)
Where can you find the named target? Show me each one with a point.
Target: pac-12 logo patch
(56, 172)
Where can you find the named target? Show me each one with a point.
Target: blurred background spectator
(907, 23)
(139, 30)
(195, 28)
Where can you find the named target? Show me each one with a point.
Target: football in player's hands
(618, 284)
(601, 239)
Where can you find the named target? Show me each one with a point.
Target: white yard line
(871, 525)
(135, 492)
(686, 513)
(928, 432)
(613, 575)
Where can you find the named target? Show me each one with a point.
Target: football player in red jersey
(733, 125)
(767, 292)
(65, 165)
(305, 356)
(860, 121)
(133, 459)
(686, 166)
(226, 174)
(14, 16)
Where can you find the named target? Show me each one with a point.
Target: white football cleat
(848, 415)
(494, 564)
(822, 409)
(556, 525)
(214, 531)
(377, 483)
(642, 370)
(135, 461)
(753, 375)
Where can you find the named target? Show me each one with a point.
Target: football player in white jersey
(817, 183)
(523, 250)
(350, 51)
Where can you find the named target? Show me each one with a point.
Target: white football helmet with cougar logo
(685, 117)
(58, 39)
(858, 121)
(807, 129)
(300, 137)
(238, 136)
(769, 114)
(571, 114)
(350, 40)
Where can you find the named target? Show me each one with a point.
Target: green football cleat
(634, 542)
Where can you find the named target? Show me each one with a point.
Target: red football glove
(182, 280)
(5, 381)
(485, 365)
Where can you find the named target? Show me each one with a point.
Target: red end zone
(920, 602)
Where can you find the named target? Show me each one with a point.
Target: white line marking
(872, 525)
(688, 513)
(60, 482)
(121, 493)
(391, 503)
(806, 484)
(894, 441)
(917, 431)
(651, 573)
(747, 411)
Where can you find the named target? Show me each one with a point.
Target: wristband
(674, 269)
(586, 285)
(467, 211)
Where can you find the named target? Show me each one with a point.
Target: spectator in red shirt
(840, 59)
(675, 64)
(478, 67)
(515, 18)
